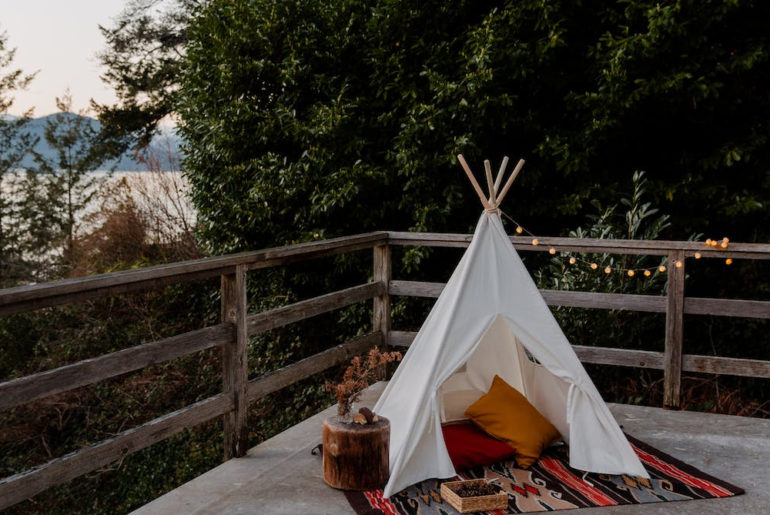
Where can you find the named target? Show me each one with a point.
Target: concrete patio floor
(280, 476)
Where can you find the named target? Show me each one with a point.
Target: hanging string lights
(722, 244)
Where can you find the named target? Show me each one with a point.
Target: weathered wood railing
(231, 336)
(237, 325)
(675, 305)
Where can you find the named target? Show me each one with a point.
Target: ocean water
(162, 195)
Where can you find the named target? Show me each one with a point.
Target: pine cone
(368, 414)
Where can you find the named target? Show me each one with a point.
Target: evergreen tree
(145, 43)
(69, 179)
(15, 143)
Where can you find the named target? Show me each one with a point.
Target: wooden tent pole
(476, 186)
(490, 184)
(508, 184)
(499, 179)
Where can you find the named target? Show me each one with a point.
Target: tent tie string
(574, 386)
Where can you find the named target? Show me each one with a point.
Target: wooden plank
(597, 355)
(643, 359)
(118, 288)
(235, 372)
(596, 300)
(690, 362)
(16, 488)
(672, 371)
(25, 298)
(622, 301)
(36, 386)
(314, 250)
(576, 299)
(619, 357)
(310, 366)
(726, 366)
(425, 239)
(598, 246)
(401, 338)
(302, 310)
(381, 264)
(416, 288)
(381, 304)
(727, 307)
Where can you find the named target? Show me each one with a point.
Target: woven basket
(497, 501)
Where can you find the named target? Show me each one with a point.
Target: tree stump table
(356, 457)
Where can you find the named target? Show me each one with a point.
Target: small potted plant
(355, 448)
(359, 375)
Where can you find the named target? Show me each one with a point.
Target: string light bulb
(678, 263)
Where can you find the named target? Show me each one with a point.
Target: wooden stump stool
(356, 457)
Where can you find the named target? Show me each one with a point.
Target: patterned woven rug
(550, 484)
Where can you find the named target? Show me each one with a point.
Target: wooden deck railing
(231, 335)
(675, 305)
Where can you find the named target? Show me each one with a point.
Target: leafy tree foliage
(68, 178)
(323, 118)
(315, 119)
(15, 143)
(631, 218)
(144, 46)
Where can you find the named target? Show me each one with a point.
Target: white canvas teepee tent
(491, 319)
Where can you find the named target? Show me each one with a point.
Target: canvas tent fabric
(491, 319)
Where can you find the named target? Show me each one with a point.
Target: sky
(60, 40)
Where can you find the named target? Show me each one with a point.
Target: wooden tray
(497, 501)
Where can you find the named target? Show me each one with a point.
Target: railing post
(381, 307)
(234, 361)
(672, 356)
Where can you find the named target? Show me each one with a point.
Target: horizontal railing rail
(310, 366)
(43, 384)
(231, 335)
(26, 484)
(644, 359)
(286, 315)
(620, 301)
(589, 245)
(27, 298)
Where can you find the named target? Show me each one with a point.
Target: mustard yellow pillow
(507, 415)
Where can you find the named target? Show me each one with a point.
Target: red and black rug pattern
(551, 484)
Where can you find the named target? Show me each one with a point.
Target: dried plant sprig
(358, 376)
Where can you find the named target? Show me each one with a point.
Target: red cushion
(469, 446)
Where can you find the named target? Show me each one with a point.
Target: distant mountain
(165, 147)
